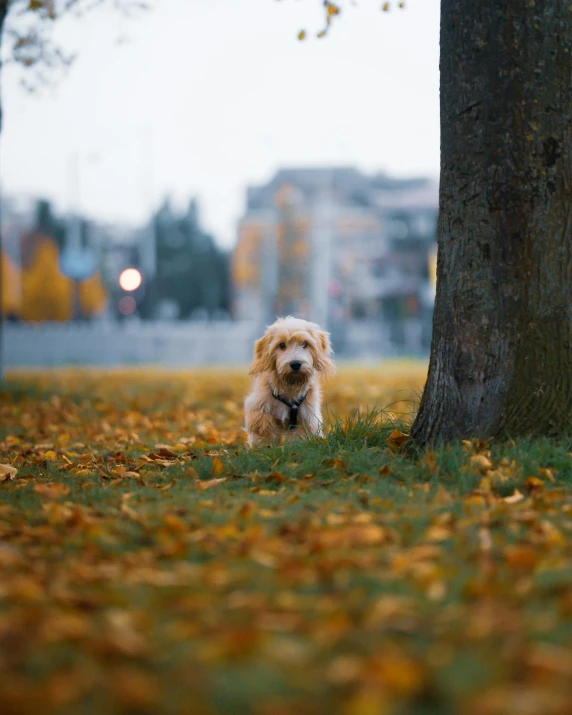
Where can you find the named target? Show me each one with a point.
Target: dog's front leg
(312, 421)
(262, 428)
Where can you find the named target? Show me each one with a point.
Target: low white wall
(172, 344)
(183, 344)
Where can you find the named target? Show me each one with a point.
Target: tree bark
(501, 356)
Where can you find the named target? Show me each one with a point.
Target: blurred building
(334, 245)
(63, 267)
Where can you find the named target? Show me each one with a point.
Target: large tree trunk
(501, 357)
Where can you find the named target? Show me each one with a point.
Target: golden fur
(287, 340)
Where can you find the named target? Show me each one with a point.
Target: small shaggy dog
(290, 361)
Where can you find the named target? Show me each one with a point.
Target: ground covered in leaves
(149, 563)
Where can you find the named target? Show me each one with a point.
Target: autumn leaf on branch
(334, 9)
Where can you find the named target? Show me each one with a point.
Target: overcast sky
(203, 97)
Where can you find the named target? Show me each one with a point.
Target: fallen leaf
(514, 498)
(397, 439)
(548, 473)
(218, 465)
(534, 485)
(521, 557)
(7, 472)
(167, 453)
(480, 463)
(52, 490)
(203, 485)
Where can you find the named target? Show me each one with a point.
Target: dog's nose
(295, 365)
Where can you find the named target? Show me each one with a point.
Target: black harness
(293, 405)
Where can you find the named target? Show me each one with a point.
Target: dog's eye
(304, 344)
(282, 346)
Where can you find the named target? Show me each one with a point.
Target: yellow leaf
(397, 439)
(129, 475)
(474, 500)
(192, 473)
(443, 496)
(548, 473)
(429, 459)
(385, 7)
(302, 35)
(480, 463)
(551, 534)
(514, 498)
(209, 483)
(437, 532)
(218, 465)
(52, 490)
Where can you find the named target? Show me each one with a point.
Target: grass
(149, 563)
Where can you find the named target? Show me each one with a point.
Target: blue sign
(77, 264)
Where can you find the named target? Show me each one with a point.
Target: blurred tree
(93, 296)
(46, 293)
(10, 285)
(47, 224)
(192, 272)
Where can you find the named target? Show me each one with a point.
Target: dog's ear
(322, 360)
(263, 360)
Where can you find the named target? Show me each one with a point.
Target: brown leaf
(397, 439)
(521, 557)
(534, 485)
(443, 496)
(203, 485)
(192, 473)
(429, 459)
(167, 453)
(52, 490)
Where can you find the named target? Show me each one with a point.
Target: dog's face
(294, 350)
